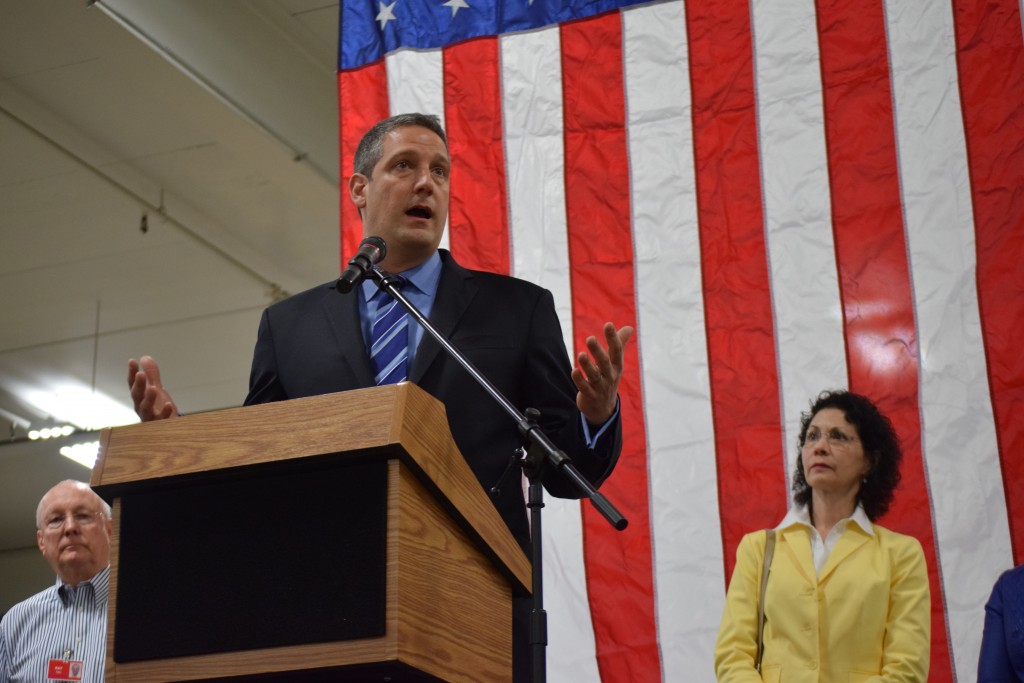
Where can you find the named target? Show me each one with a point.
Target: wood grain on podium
(440, 576)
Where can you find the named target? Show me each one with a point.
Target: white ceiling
(217, 122)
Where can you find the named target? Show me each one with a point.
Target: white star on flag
(456, 5)
(386, 13)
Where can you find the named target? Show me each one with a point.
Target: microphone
(372, 250)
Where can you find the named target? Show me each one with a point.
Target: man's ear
(39, 540)
(357, 190)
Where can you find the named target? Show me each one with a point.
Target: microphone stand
(540, 452)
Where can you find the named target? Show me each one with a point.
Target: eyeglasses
(833, 436)
(82, 518)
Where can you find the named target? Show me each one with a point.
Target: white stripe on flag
(416, 84)
(794, 171)
(535, 171)
(535, 167)
(686, 533)
(958, 437)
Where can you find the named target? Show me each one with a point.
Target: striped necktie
(389, 347)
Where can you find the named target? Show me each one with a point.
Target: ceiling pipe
(297, 155)
(274, 290)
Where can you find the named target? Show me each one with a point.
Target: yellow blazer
(866, 618)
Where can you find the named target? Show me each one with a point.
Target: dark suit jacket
(1002, 645)
(312, 344)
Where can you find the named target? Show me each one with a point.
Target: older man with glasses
(60, 633)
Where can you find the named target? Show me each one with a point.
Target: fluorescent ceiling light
(82, 453)
(51, 432)
(81, 406)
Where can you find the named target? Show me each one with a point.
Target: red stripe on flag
(620, 574)
(874, 276)
(362, 102)
(737, 301)
(990, 59)
(478, 215)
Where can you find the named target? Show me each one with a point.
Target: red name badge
(64, 670)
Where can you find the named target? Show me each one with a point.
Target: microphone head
(379, 243)
(372, 250)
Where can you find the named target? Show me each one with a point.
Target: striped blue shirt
(61, 623)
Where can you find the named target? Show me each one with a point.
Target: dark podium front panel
(381, 672)
(266, 559)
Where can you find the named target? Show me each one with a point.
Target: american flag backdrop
(782, 196)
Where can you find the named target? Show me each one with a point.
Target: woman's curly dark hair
(881, 448)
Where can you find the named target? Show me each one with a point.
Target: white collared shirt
(821, 549)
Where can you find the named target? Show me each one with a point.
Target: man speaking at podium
(321, 341)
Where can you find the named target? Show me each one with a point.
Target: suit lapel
(342, 313)
(797, 544)
(455, 291)
(852, 539)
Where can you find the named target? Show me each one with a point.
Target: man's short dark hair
(371, 147)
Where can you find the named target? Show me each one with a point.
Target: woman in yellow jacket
(846, 599)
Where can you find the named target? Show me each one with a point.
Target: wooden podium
(338, 537)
